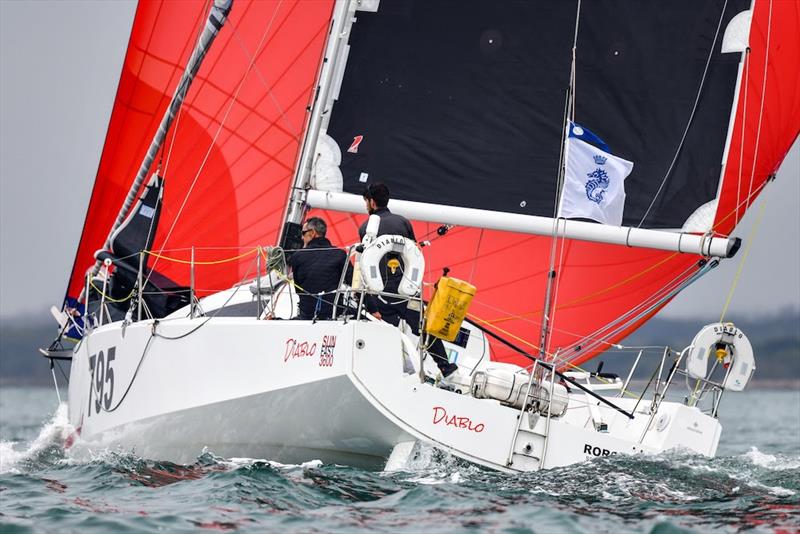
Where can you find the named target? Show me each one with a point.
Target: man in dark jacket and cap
(317, 270)
(391, 310)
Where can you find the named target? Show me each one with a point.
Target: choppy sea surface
(753, 484)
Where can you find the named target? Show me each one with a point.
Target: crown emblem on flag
(600, 160)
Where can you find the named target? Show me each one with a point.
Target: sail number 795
(101, 380)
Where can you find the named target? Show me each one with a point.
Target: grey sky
(59, 66)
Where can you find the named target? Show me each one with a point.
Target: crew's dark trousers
(392, 312)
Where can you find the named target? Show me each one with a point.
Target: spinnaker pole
(704, 245)
(217, 17)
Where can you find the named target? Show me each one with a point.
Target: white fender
(742, 362)
(413, 263)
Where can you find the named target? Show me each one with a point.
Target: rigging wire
(593, 337)
(552, 321)
(220, 128)
(175, 126)
(761, 108)
(476, 256)
(263, 79)
(691, 116)
(569, 110)
(573, 73)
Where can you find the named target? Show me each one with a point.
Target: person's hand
(377, 315)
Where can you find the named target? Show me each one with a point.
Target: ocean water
(753, 484)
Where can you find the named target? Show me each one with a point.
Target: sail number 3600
(101, 383)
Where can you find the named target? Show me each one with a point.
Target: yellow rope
(215, 262)
(750, 239)
(91, 282)
(289, 281)
(506, 332)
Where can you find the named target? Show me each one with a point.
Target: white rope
(691, 117)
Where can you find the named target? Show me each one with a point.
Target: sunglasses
(304, 232)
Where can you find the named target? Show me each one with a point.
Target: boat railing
(138, 309)
(660, 389)
(704, 386)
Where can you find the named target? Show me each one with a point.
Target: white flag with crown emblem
(594, 179)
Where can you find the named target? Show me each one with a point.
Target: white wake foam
(235, 463)
(52, 434)
(769, 461)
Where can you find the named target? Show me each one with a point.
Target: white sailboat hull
(292, 391)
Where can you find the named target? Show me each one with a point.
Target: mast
(331, 72)
(217, 17)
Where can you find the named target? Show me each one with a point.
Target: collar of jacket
(381, 211)
(319, 242)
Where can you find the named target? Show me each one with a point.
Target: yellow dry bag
(448, 308)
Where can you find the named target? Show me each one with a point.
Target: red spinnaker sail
(768, 111)
(231, 152)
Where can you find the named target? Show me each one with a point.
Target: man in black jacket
(377, 198)
(317, 270)
(392, 310)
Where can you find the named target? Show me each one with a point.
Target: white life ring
(739, 359)
(413, 263)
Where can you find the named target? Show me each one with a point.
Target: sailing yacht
(577, 164)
